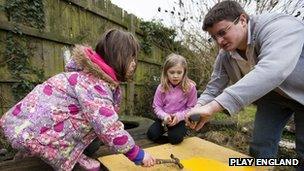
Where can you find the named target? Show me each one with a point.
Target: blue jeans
(273, 112)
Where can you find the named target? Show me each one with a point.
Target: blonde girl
(174, 96)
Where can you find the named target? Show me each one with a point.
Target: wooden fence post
(130, 84)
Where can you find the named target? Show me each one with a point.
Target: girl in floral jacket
(59, 118)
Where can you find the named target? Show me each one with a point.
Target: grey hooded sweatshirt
(276, 42)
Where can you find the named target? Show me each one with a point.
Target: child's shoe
(88, 164)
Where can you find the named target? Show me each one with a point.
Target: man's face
(230, 35)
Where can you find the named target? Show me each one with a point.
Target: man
(261, 60)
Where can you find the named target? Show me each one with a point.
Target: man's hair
(225, 10)
(118, 48)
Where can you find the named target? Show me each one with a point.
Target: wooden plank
(36, 52)
(3, 16)
(58, 59)
(74, 22)
(51, 36)
(53, 61)
(8, 98)
(48, 53)
(4, 71)
(55, 17)
(96, 33)
(144, 58)
(48, 14)
(84, 32)
(123, 99)
(115, 11)
(145, 72)
(105, 151)
(130, 98)
(65, 23)
(96, 10)
(190, 148)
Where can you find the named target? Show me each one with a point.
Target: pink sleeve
(191, 102)
(158, 104)
(96, 101)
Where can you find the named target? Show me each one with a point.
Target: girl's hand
(168, 119)
(173, 122)
(148, 160)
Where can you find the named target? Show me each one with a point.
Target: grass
(244, 116)
(288, 136)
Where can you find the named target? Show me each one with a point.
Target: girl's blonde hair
(171, 61)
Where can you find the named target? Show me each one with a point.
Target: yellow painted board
(195, 153)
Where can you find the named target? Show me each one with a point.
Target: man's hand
(205, 115)
(205, 112)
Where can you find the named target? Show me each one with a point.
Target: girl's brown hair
(171, 61)
(118, 48)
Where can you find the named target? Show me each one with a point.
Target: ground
(232, 132)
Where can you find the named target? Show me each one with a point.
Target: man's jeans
(273, 112)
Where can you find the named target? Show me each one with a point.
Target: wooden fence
(66, 22)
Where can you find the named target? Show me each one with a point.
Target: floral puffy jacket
(59, 118)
